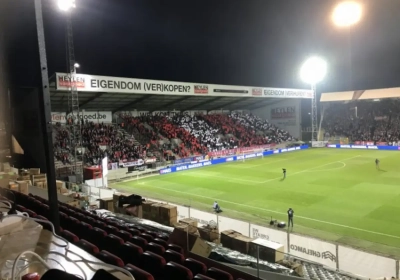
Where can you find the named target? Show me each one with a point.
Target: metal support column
(46, 120)
(314, 115)
(73, 102)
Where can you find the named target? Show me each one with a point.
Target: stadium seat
(139, 241)
(172, 256)
(175, 248)
(97, 236)
(152, 263)
(87, 246)
(130, 253)
(44, 225)
(195, 266)
(138, 274)
(155, 248)
(112, 243)
(161, 242)
(203, 277)
(69, 236)
(175, 271)
(110, 258)
(218, 274)
(133, 231)
(111, 230)
(126, 236)
(146, 236)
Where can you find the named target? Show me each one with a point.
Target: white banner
(225, 223)
(91, 83)
(183, 212)
(131, 163)
(365, 264)
(313, 250)
(318, 144)
(96, 117)
(202, 218)
(269, 234)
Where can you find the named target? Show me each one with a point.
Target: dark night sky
(243, 42)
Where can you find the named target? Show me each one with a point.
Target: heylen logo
(324, 255)
(67, 81)
(201, 89)
(256, 92)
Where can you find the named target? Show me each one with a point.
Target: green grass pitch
(337, 195)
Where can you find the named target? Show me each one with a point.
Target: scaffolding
(314, 114)
(73, 113)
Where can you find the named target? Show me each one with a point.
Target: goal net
(251, 154)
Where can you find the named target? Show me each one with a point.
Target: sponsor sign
(150, 160)
(365, 264)
(97, 117)
(269, 234)
(92, 83)
(318, 144)
(239, 150)
(374, 147)
(256, 92)
(201, 89)
(364, 143)
(287, 93)
(131, 163)
(283, 113)
(225, 223)
(313, 250)
(203, 218)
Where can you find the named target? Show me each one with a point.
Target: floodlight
(313, 70)
(347, 13)
(76, 65)
(66, 5)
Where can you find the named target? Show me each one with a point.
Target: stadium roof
(368, 94)
(99, 93)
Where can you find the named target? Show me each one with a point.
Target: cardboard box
(107, 203)
(34, 171)
(189, 221)
(241, 244)
(227, 237)
(23, 187)
(267, 250)
(59, 184)
(208, 233)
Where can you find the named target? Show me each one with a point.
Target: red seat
(31, 213)
(175, 271)
(44, 225)
(20, 208)
(133, 231)
(152, 233)
(69, 236)
(195, 266)
(146, 236)
(87, 246)
(112, 243)
(160, 242)
(155, 248)
(163, 237)
(126, 236)
(172, 256)
(203, 277)
(139, 241)
(111, 230)
(97, 236)
(219, 274)
(130, 253)
(152, 263)
(138, 274)
(175, 248)
(109, 258)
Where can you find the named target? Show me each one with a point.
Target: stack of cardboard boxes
(11, 180)
(61, 187)
(236, 241)
(164, 214)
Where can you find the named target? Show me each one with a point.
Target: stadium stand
(364, 120)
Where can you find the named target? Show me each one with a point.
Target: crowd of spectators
(61, 142)
(255, 123)
(364, 120)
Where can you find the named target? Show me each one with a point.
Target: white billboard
(313, 250)
(90, 116)
(273, 235)
(92, 83)
(225, 223)
(104, 166)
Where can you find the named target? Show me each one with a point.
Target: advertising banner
(313, 250)
(150, 160)
(240, 150)
(183, 212)
(92, 83)
(131, 163)
(96, 117)
(225, 223)
(365, 264)
(369, 143)
(203, 218)
(318, 144)
(389, 148)
(269, 234)
(283, 113)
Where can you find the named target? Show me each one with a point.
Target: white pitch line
(266, 163)
(277, 212)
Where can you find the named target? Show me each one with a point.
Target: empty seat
(146, 236)
(203, 277)
(152, 263)
(130, 253)
(160, 242)
(133, 231)
(87, 246)
(138, 274)
(97, 236)
(69, 236)
(172, 256)
(139, 241)
(175, 271)
(164, 237)
(195, 266)
(112, 243)
(175, 248)
(218, 274)
(155, 248)
(84, 231)
(110, 258)
(31, 213)
(111, 230)
(126, 236)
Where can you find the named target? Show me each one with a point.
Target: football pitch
(337, 195)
